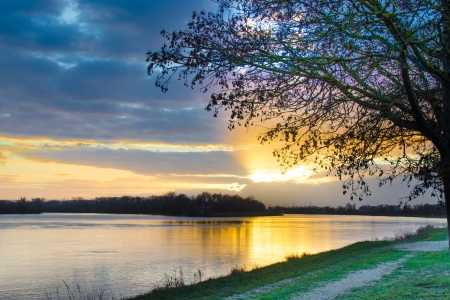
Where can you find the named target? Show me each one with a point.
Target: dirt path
(353, 280)
(356, 279)
(268, 288)
(423, 246)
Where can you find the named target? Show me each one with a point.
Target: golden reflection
(246, 242)
(272, 244)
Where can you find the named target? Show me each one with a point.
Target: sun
(297, 175)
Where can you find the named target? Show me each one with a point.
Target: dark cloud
(107, 29)
(105, 121)
(76, 69)
(13, 25)
(31, 7)
(44, 29)
(144, 162)
(131, 26)
(328, 194)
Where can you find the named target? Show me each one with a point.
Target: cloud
(75, 99)
(3, 158)
(130, 26)
(329, 193)
(94, 106)
(63, 171)
(76, 69)
(143, 162)
(299, 174)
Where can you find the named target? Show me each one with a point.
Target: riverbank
(418, 267)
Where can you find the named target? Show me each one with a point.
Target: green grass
(423, 276)
(426, 275)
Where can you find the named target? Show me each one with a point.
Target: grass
(425, 275)
(176, 279)
(83, 294)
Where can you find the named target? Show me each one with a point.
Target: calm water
(128, 254)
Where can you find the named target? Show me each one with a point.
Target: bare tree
(361, 88)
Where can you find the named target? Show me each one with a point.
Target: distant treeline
(349, 209)
(21, 206)
(204, 204)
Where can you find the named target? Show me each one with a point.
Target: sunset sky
(79, 117)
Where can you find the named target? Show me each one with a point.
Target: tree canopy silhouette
(360, 87)
(204, 204)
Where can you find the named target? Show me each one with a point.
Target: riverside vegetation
(204, 205)
(381, 269)
(418, 275)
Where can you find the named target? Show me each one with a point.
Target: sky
(80, 117)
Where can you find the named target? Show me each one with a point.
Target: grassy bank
(421, 275)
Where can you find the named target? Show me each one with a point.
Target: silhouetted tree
(382, 209)
(362, 88)
(168, 204)
(21, 206)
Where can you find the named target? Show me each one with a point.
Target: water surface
(127, 255)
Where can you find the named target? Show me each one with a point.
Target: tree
(361, 88)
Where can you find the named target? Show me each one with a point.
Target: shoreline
(238, 214)
(405, 259)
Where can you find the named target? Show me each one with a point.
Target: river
(126, 255)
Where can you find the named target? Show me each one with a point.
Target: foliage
(82, 294)
(236, 270)
(171, 281)
(198, 275)
(21, 206)
(170, 203)
(361, 88)
(348, 209)
(296, 256)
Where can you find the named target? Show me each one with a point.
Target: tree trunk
(446, 180)
(445, 155)
(446, 183)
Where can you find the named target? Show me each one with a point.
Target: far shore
(247, 214)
